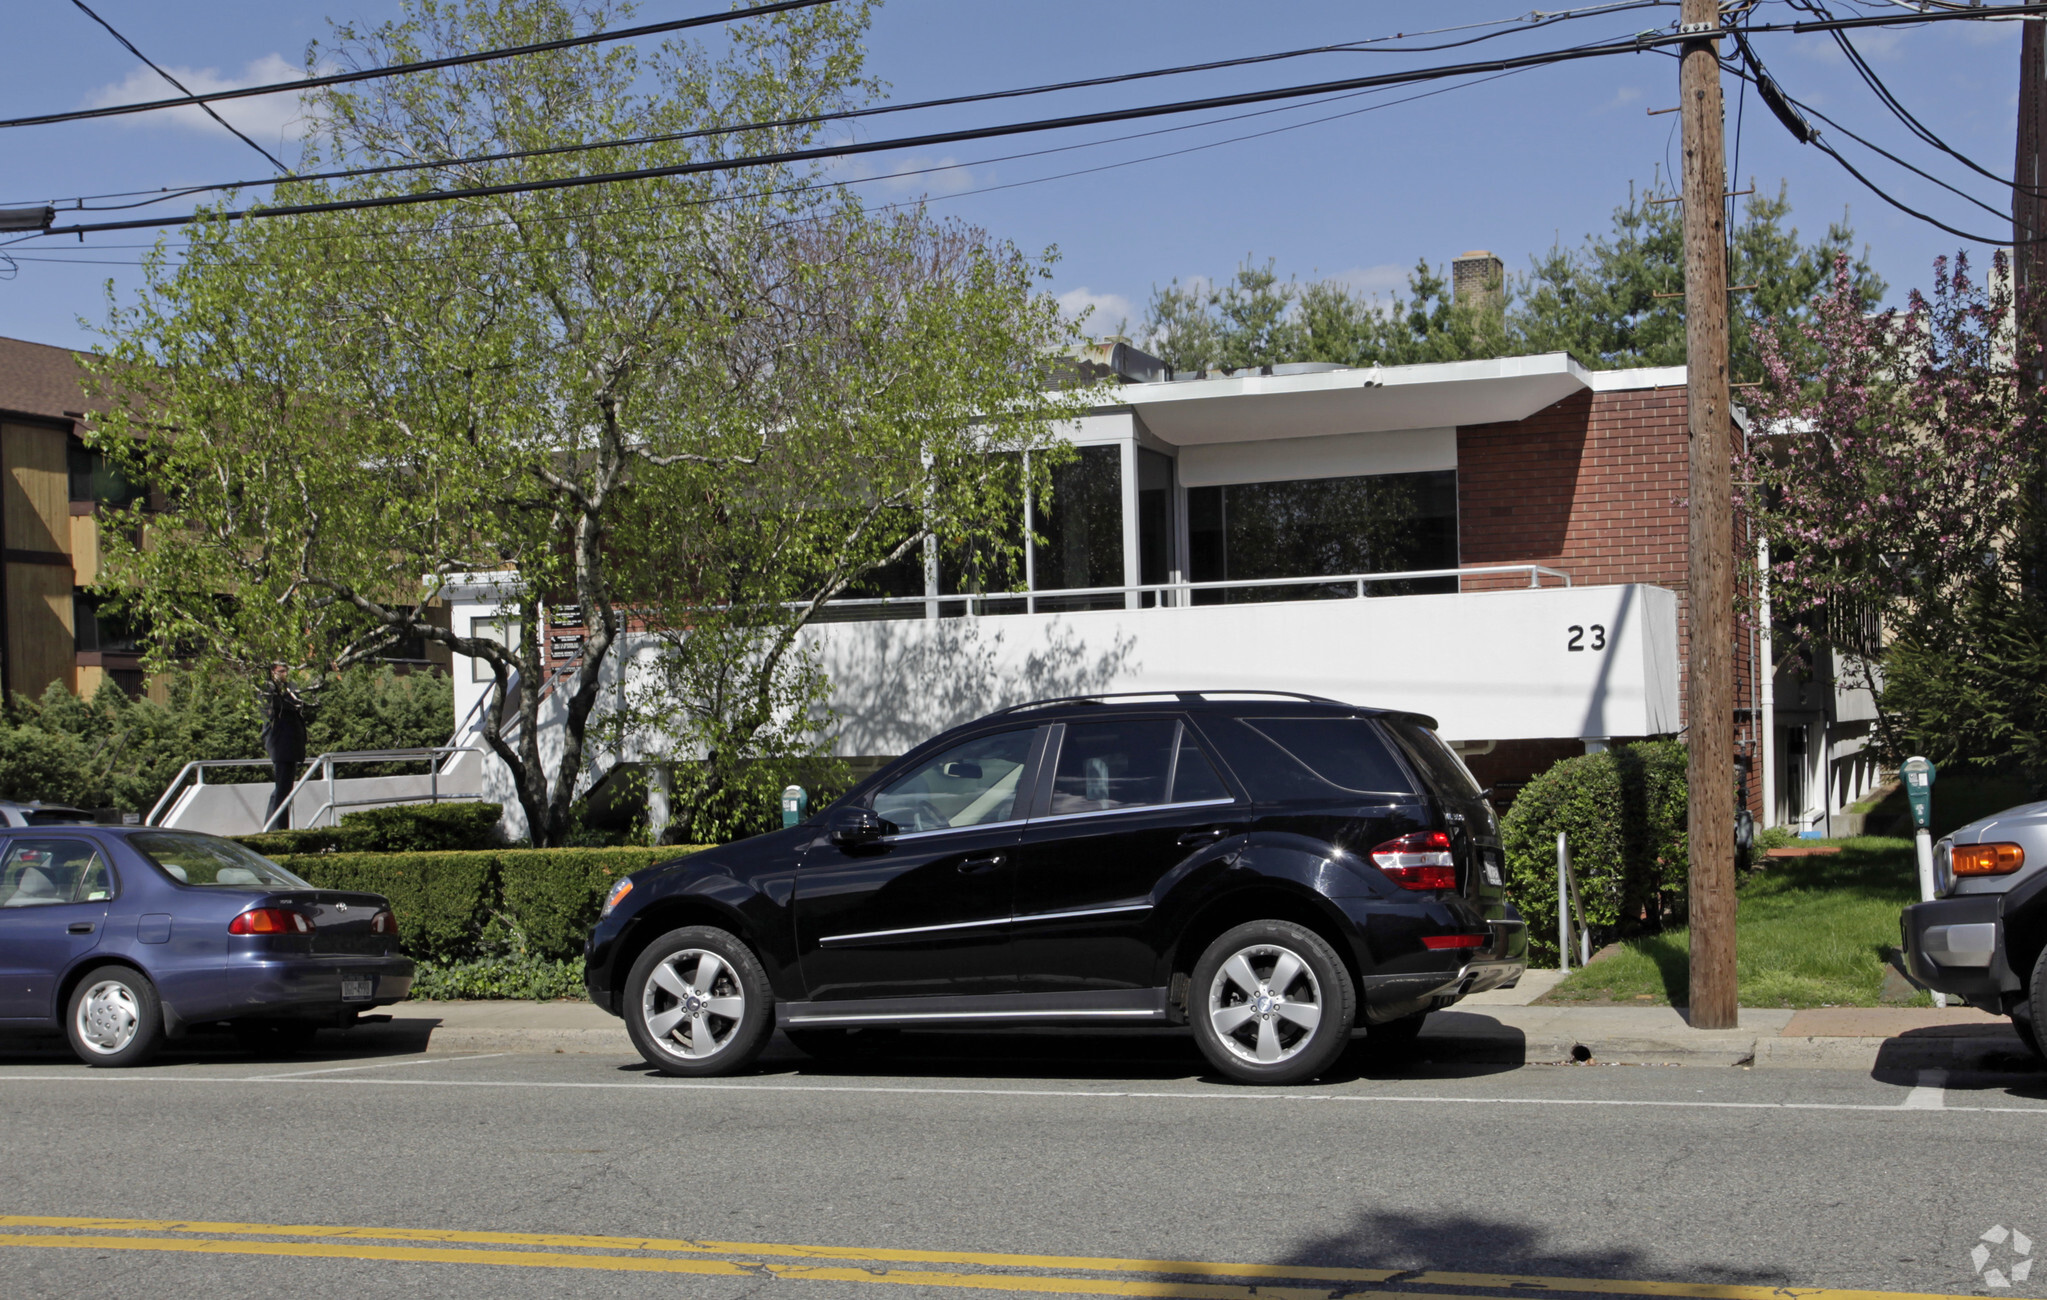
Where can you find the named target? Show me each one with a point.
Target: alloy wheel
(1265, 1004)
(693, 1004)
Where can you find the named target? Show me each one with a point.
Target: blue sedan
(127, 936)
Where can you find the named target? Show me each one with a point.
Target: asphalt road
(1091, 1165)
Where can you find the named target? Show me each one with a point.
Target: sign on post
(795, 805)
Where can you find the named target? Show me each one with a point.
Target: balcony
(1538, 659)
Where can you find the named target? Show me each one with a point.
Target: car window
(1105, 765)
(971, 784)
(1345, 752)
(1441, 762)
(40, 872)
(1194, 776)
(208, 860)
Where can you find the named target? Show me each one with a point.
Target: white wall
(1488, 665)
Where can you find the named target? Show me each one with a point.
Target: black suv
(1274, 870)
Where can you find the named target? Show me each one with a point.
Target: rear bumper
(1956, 946)
(299, 987)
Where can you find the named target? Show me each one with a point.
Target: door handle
(1208, 835)
(986, 862)
(80, 927)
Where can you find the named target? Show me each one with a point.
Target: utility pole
(2029, 257)
(1710, 571)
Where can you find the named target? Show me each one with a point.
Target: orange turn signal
(1987, 859)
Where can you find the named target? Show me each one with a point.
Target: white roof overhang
(1379, 399)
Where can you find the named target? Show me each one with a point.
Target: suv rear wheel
(697, 1003)
(1273, 1003)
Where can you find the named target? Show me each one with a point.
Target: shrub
(508, 976)
(454, 907)
(1624, 811)
(401, 828)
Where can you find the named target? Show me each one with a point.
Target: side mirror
(850, 827)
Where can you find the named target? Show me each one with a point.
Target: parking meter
(1917, 774)
(795, 805)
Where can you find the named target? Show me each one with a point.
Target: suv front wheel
(697, 1003)
(1273, 1004)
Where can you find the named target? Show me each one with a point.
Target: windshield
(208, 860)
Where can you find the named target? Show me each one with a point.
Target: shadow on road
(1471, 1243)
(217, 1043)
(1968, 1053)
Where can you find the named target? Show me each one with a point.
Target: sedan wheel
(114, 1017)
(1276, 1004)
(698, 1003)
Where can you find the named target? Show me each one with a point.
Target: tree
(1598, 301)
(1887, 482)
(631, 398)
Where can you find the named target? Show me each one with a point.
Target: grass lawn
(1809, 932)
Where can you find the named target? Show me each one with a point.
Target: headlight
(1943, 872)
(616, 896)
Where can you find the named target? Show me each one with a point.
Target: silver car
(1983, 938)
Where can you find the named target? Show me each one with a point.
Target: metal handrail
(197, 768)
(324, 764)
(1536, 573)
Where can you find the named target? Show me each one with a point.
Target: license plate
(358, 988)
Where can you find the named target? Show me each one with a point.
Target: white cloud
(268, 119)
(1386, 278)
(1111, 310)
(1622, 98)
(926, 175)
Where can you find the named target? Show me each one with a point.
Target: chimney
(1476, 277)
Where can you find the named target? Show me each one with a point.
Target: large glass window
(1378, 523)
(208, 860)
(1082, 531)
(1105, 765)
(972, 784)
(1154, 521)
(1342, 751)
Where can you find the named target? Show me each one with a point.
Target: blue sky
(1511, 165)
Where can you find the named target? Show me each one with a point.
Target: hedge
(401, 828)
(1624, 811)
(454, 907)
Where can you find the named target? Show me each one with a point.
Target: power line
(921, 171)
(208, 108)
(1530, 23)
(397, 69)
(1642, 43)
(1763, 80)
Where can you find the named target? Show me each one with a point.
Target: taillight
(383, 923)
(270, 920)
(1986, 859)
(1442, 941)
(1418, 861)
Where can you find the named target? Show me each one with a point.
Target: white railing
(1180, 593)
(196, 772)
(323, 768)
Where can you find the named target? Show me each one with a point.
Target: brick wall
(1594, 485)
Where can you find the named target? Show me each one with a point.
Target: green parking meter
(1917, 773)
(795, 805)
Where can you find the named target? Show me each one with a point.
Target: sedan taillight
(383, 923)
(270, 920)
(1418, 861)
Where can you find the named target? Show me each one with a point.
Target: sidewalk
(1485, 1029)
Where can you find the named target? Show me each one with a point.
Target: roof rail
(1184, 696)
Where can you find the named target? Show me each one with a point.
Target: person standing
(285, 708)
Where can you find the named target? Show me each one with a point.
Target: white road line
(1235, 1095)
(381, 1065)
(1931, 1094)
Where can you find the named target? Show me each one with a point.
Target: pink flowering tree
(1888, 468)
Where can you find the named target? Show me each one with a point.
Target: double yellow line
(1176, 1279)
